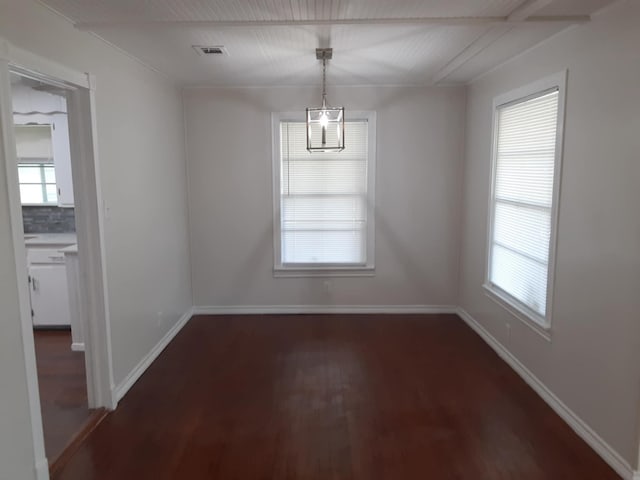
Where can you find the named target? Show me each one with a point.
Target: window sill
(541, 327)
(328, 271)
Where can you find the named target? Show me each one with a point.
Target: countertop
(50, 239)
(70, 250)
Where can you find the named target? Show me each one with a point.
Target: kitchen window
(524, 200)
(324, 201)
(36, 170)
(37, 184)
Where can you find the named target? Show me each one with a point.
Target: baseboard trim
(96, 417)
(319, 309)
(42, 469)
(122, 389)
(581, 428)
(77, 347)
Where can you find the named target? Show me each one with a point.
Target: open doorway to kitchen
(45, 182)
(47, 131)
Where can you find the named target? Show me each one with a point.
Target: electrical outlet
(326, 287)
(159, 318)
(508, 325)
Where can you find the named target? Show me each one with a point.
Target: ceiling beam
(523, 14)
(526, 9)
(434, 21)
(473, 49)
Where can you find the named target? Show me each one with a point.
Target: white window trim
(540, 324)
(324, 270)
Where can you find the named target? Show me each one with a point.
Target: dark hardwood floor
(63, 390)
(315, 397)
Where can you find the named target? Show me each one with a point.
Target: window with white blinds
(324, 214)
(526, 161)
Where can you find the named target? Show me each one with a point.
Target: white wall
(593, 360)
(419, 146)
(141, 155)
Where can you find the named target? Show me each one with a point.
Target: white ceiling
(272, 42)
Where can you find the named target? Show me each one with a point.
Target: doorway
(43, 152)
(63, 312)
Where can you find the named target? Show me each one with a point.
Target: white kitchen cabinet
(48, 286)
(49, 295)
(62, 160)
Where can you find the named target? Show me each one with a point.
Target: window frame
(326, 269)
(539, 323)
(43, 184)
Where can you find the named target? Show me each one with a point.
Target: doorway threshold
(95, 418)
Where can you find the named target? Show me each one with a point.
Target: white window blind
(523, 193)
(323, 198)
(34, 143)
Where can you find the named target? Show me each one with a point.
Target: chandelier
(325, 124)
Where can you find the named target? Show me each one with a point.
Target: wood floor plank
(78, 438)
(63, 390)
(328, 397)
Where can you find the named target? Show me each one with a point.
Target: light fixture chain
(324, 83)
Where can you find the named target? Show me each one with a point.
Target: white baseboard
(122, 389)
(602, 448)
(42, 469)
(77, 347)
(319, 309)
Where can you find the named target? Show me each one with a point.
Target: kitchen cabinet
(48, 287)
(62, 160)
(49, 295)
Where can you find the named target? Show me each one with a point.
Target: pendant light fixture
(325, 125)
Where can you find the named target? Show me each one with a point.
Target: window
(37, 184)
(36, 172)
(525, 184)
(323, 201)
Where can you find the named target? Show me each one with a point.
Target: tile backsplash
(48, 219)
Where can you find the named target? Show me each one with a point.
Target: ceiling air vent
(215, 50)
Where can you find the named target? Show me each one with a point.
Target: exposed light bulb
(324, 119)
